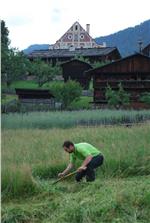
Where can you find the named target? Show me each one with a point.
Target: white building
(75, 38)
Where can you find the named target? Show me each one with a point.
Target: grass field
(32, 158)
(67, 119)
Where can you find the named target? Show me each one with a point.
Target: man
(91, 158)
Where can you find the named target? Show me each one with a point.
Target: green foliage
(66, 92)
(82, 103)
(71, 91)
(111, 96)
(123, 95)
(116, 98)
(15, 66)
(81, 58)
(56, 88)
(14, 63)
(99, 64)
(44, 72)
(145, 97)
(4, 35)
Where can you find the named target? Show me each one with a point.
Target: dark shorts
(89, 173)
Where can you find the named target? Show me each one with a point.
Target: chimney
(88, 28)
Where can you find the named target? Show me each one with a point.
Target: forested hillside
(127, 40)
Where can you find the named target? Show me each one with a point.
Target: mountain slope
(34, 47)
(127, 40)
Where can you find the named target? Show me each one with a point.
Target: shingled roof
(56, 53)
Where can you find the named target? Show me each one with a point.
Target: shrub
(111, 96)
(117, 98)
(145, 97)
(66, 92)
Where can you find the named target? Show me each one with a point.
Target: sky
(45, 21)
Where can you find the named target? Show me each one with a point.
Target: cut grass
(105, 200)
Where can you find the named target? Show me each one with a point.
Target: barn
(35, 97)
(133, 72)
(75, 70)
(53, 56)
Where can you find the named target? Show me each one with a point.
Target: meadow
(32, 158)
(69, 119)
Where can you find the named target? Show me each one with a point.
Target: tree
(14, 63)
(72, 91)
(66, 92)
(16, 66)
(43, 72)
(4, 48)
(4, 36)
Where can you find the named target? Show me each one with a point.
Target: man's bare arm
(67, 170)
(85, 163)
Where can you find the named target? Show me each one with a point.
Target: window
(76, 27)
(69, 36)
(81, 36)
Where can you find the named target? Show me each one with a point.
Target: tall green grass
(64, 119)
(29, 153)
(112, 200)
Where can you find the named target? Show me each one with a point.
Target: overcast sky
(45, 21)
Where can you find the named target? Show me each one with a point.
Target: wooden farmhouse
(76, 42)
(64, 55)
(133, 72)
(146, 50)
(75, 70)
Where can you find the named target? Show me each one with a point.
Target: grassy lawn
(24, 84)
(32, 158)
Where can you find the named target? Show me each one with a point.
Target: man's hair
(68, 144)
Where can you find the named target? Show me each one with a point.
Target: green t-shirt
(82, 150)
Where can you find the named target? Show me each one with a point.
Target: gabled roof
(27, 91)
(76, 60)
(116, 63)
(57, 53)
(80, 27)
(147, 46)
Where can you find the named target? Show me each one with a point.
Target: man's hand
(81, 168)
(61, 175)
